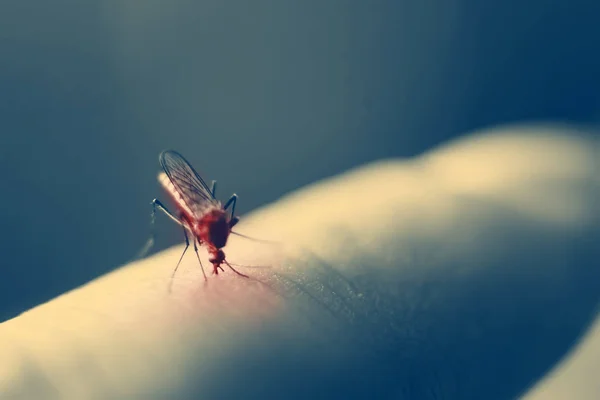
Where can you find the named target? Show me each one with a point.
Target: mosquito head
(217, 256)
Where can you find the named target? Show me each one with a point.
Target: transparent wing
(190, 185)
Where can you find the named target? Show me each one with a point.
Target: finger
(576, 377)
(465, 273)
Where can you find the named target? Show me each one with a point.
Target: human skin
(468, 272)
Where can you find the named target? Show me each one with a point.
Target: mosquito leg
(231, 202)
(146, 249)
(213, 188)
(235, 270)
(156, 204)
(187, 244)
(198, 256)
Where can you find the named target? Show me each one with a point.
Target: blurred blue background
(264, 96)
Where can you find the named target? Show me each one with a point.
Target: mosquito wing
(189, 184)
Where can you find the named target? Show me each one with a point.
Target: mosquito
(199, 213)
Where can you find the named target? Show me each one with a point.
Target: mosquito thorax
(213, 228)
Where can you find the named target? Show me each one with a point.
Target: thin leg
(235, 270)
(231, 202)
(198, 256)
(255, 239)
(213, 188)
(155, 204)
(187, 244)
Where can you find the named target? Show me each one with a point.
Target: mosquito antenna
(255, 239)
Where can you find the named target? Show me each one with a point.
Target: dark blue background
(265, 96)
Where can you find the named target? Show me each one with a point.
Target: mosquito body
(198, 211)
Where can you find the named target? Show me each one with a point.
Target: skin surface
(465, 273)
